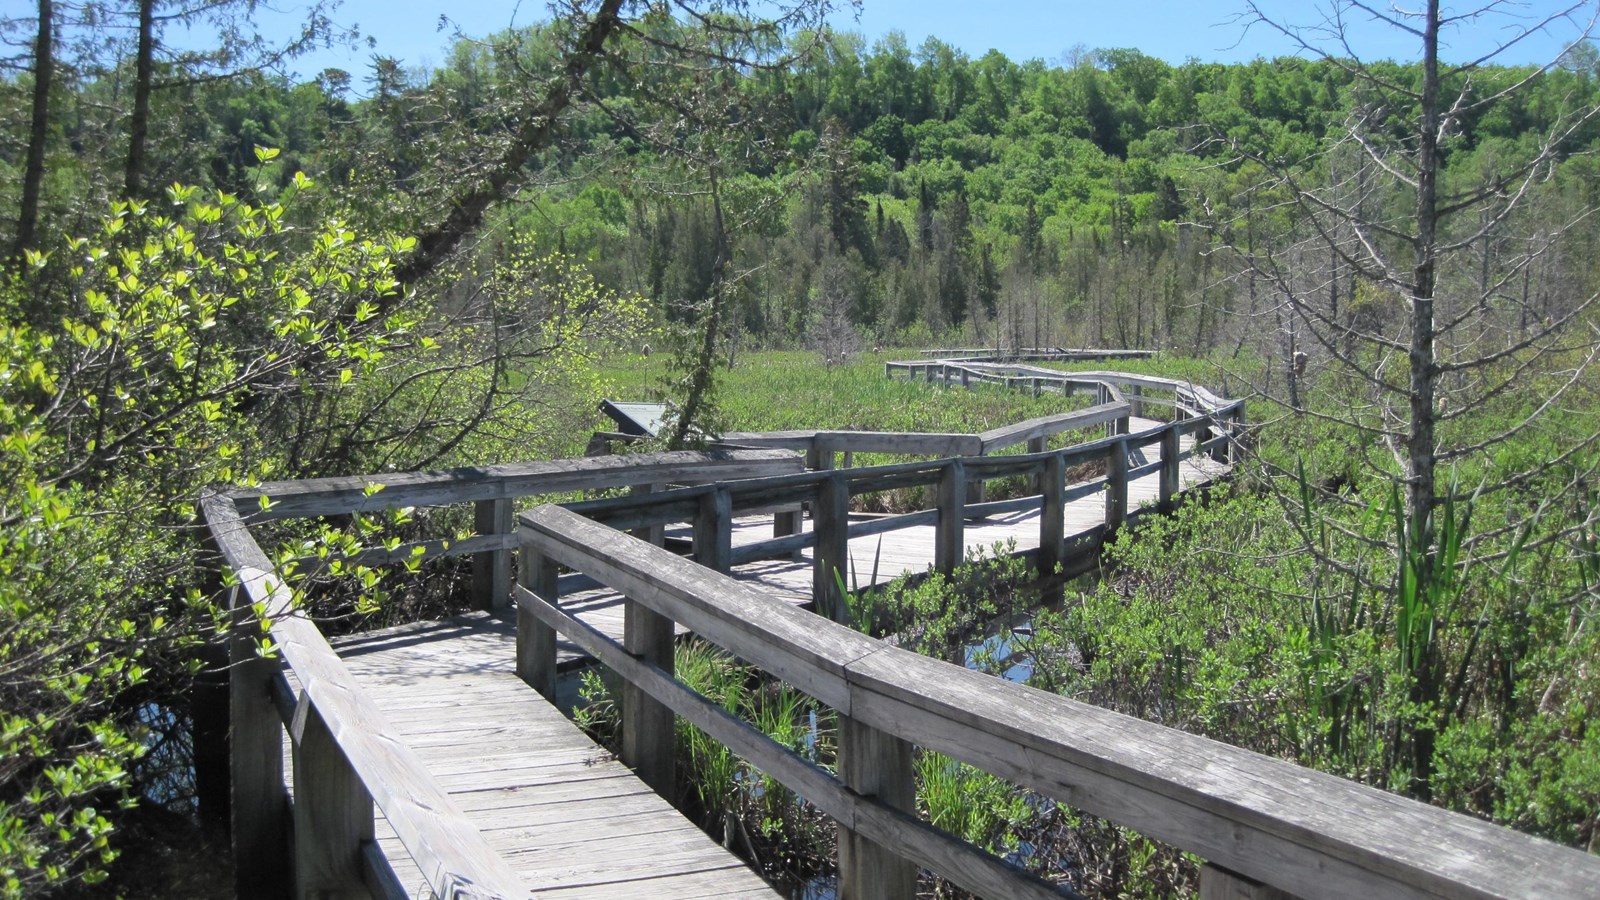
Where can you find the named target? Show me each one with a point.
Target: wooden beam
(648, 742)
(1171, 458)
(787, 522)
(1116, 484)
(830, 519)
(491, 571)
(713, 532)
(332, 814)
(368, 493)
(1052, 524)
(262, 858)
(650, 534)
(1044, 426)
(536, 641)
(878, 765)
(949, 548)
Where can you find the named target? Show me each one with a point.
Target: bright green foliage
(138, 364)
(1210, 625)
(973, 805)
(207, 339)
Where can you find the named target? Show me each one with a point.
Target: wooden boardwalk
(558, 808)
(421, 761)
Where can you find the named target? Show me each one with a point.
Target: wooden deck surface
(570, 818)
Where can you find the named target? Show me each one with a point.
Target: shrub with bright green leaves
(203, 339)
(138, 364)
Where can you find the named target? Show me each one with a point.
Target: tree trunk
(39, 128)
(139, 123)
(537, 130)
(1421, 454)
(706, 359)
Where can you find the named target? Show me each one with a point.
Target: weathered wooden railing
(824, 450)
(345, 758)
(1187, 398)
(711, 509)
(1252, 817)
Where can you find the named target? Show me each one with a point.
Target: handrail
(1063, 354)
(369, 493)
(1045, 426)
(345, 755)
(1291, 827)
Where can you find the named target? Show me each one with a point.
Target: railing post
(259, 804)
(332, 812)
(787, 522)
(1052, 522)
(1037, 445)
(208, 711)
(648, 741)
(949, 547)
(1116, 485)
(820, 456)
(1235, 432)
(491, 570)
(1136, 400)
(536, 641)
(977, 490)
(876, 764)
(1217, 883)
(966, 377)
(1170, 453)
(713, 531)
(650, 534)
(830, 519)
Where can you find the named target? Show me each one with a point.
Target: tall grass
(784, 391)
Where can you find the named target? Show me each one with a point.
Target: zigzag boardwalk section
(569, 818)
(880, 558)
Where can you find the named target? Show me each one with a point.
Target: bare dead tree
(1438, 332)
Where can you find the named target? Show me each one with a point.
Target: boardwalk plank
(533, 784)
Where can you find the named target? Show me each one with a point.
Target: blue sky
(1174, 30)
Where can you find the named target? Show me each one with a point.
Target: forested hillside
(908, 190)
(212, 274)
